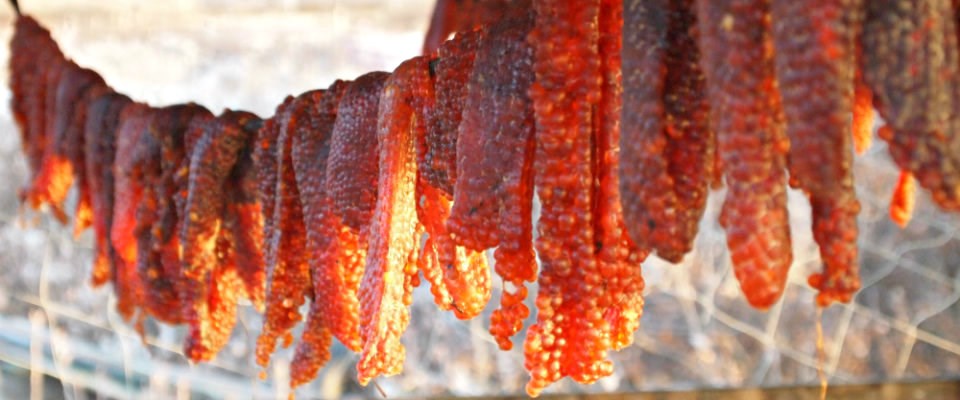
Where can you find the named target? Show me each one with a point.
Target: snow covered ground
(697, 330)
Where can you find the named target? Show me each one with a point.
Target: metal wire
(697, 330)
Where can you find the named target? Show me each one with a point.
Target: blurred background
(60, 338)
